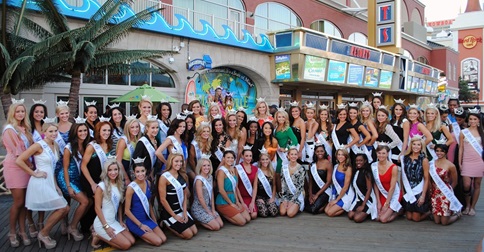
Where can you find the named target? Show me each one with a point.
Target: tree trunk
(6, 102)
(74, 94)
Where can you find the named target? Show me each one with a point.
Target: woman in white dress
(46, 154)
(108, 197)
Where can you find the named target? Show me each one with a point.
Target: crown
(93, 103)
(218, 87)
(323, 107)
(138, 160)
(267, 120)
(228, 94)
(252, 119)
(381, 143)
(443, 107)
(39, 101)
(294, 104)
(247, 147)
(459, 111)
(366, 103)
(454, 96)
(181, 116)
(399, 101)
(214, 104)
(146, 97)
(417, 137)
(263, 150)
(152, 117)
(104, 119)
(50, 120)
(432, 105)
(217, 116)
(231, 112)
(111, 157)
(474, 111)
(377, 94)
(131, 117)
(115, 105)
(383, 107)
(415, 106)
(20, 101)
(205, 124)
(310, 105)
(292, 147)
(261, 99)
(187, 112)
(62, 103)
(341, 106)
(318, 143)
(80, 120)
(353, 104)
(441, 141)
(205, 156)
(241, 109)
(281, 109)
(175, 151)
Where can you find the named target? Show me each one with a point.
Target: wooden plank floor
(303, 233)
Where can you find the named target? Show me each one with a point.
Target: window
(326, 27)
(274, 16)
(359, 38)
(422, 59)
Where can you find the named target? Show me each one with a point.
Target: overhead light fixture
(193, 76)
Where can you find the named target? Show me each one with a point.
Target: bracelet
(106, 226)
(140, 224)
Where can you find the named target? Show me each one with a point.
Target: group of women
(205, 168)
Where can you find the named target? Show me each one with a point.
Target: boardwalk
(303, 233)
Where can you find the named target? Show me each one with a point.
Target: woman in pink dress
(16, 138)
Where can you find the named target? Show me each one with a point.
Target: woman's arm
(163, 146)
(393, 185)
(426, 178)
(453, 175)
(461, 149)
(120, 147)
(369, 186)
(447, 135)
(329, 177)
(85, 171)
(426, 133)
(241, 143)
(192, 156)
(312, 129)
(367, 135)
(355, 136)
(254, 192)
(66, 161)
(22, 160)
(302, 127)
(406, 134)
(374, 132)
(162, 184)
(391, 133)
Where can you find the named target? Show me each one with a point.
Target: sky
(444, 9)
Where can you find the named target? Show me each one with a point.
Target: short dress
(243, 192)
(415, 174)
(139, 212)
(322, 199)
(110, 211)
(298, 178)
(472, 163)
(172, 199)
(224, 207)
(440, 203)
(197, 209)
(74, 174)
(15, 144)
(59, 165)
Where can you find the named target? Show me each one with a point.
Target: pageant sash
(292, 187)
(320, 138)
(53, 157)
(151, 150)
(128, 145)
(100, 153)
(318, 180)
(198, 151)
(265, 183)
(455, 204)
(163, 127)
(177, 146)
(205, 183)
(335, 139)
(36, 136)
(230, 177)
(394, 204)
(473, 141)
(79, 156)
(409, 191)
(372, 208)
(456, 130)
(219, 154)
(244, 178)
(349, 196)
(142, 197)
(60, 142)
(283, 156)
(178, 187)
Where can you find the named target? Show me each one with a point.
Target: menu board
(283, 70)
(371, 77)
(386, 79)
(315, 68)
(355, 74)
(336, 71)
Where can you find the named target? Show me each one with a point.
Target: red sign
(470, 41)
(359, 52)
(440, 23)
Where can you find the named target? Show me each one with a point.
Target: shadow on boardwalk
(303, 233)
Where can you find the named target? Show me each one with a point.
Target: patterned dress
(197, 209)
(440, 203)
(415, 174)
(298, 179)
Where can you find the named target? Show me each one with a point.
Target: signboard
(415, 84)
(408, 85)
(351, 50)
(385, 23)
(336, 71)
(283, 69)
(199, 64)
(314, 68)
(386, 78)
(385, 35)
(355, 74)
(371, 77)
(470, 69)
(470, 41)
(421, 86)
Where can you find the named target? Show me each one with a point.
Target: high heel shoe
(48, 242)
(95, 240)
(74, 233)
(13, 240)
(63, 228)
(33, 230)
(25, 239)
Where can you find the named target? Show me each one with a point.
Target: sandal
(466, 211)
(25, 239)
(95, 240)
(472, 212)
(13, 240)
(33, 230)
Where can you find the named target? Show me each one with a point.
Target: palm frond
(34, 28)
(50, 45)
(84, 55)
(101, 18)
(106, 58)
(57, 22)
(5, 58)
(17, 44)
(11, 77)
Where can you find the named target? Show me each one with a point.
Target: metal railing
(3, 188)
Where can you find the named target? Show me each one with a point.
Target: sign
(314, 68)
(408, 85)
(386, 35)
(470, 41)
(199, 64)
(415, 83)
(421, 86)
(440, 23)
(385, 13)
(351, 50)
(422, 69)
(470, 69)
(283, 69)
(355, 75)
(385, 23)
(336, 71)
(371, 77)
(386, 78)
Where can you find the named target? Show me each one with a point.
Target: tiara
(187, 112)
(377, 94)
(138, 160)
(261, 99)
(417, 137)
(443, 107)
(341, 106)
(217, 116)
(205, 156)
(175, 151)
(241, 109)
(268, 119)
(231, 112)
(80, 120)
(218, 87)
(146, 97)
(353, 104)
(294, 104)
(474, 111)
(318, 143)
(152, 117)
(214, 104)
(381, 143)
(228, 94)
(49, 120)
(432, 105)
(247, 147)
(366, 103)
(205, 124)
(252, 119)
(399, 101)
(292, 147)
(115, 105)
(310, 105)
(383, 107)
(281, 109)
(415, 106)
(459, 111)
(263, 150)
(131, 117)
(93, 103)
(441, 141)
(20, 101)
(111, 156)
(181, 116)
(104, 119)
(454, 96)
(39, 101)
(323, 107)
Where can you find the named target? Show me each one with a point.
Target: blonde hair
(198, 138)
(128, 134)
(148, 123)
(286, 121)
(209, 115)
(269, 166)
(24, 123)
(370, 116)
(169, 165)
(422, 144)
(58, 109)
(199, 166)
(437, 123)
(119, 181)
(237, 131)
(145, 100)
(256, 109)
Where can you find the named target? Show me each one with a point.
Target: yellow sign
(469, 42)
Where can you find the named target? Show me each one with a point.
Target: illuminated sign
(470, 41)
(440, 23)
(385, 23)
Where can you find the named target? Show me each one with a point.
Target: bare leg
(475, 195)
(17, 210)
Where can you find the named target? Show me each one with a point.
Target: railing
(3, 188)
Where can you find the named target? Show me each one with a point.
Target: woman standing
(196, 107)
(146, 149)
(109, 195)
(174, 142)
(401, 126)
(46, 155)
(285, 137)
(268, 142)
(139, 212)
(266, 190)
(117, 120)
(253, 134)
(438, 130)
(342, 131)
(90, 113)
(311, 128)
(145, 107)
(126, 145)
(324, 130)
(229, 202)
(320, 181)
(248, 181)
(365, 136)
(367, 119)
(17, 137)
(203, 207)
(377, 101)
(173, 191)
(214, 111)
(238, 136)
(298, 126)
(343, 194)
(261, 111)
(385, 130)
(201, 145)
(471, 159)
(164, 111)
(365, 197)
(220, 141)
(37, 113)
(292, 185)
(416, 126)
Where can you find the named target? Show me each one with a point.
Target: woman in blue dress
(139, 211)
(343, 193)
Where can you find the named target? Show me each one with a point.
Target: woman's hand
(145, 228)
(111, 232)
(40, 174)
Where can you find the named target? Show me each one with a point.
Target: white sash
(100, 153)
(219, 154)
(244, 178)
(473, 141)
(292, 187)
(409, 191)
(308, 151)
(455, 205)
(265, 183)
(114, 198)
(318, 180)
(432, 153)
(456, 130)
(371, 204)
(283, 156)
(60, 142)
(163, 126)
(205, 183)
(348, 198)
(230, 177)
(150, 149)
(335, 139)
(78, 163)
(394, 204)
(326, 145)
(53, 157)
(142, 197)
(91, 133)
(354, 148)
(23, 137)
(36, 136)
(177, 146)
(128, 145)
(198, 151)
(178, 187)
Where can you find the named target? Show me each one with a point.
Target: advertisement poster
(283, 69)
(470, 72)
(415, 83)
(428, 88)
(408, 85)
(355, 75)
(386, 79)
(314, 68)
(241, 88)
(421, 86)
(371, 77)
(336, 71)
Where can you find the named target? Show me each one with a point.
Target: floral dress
(440, 203)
